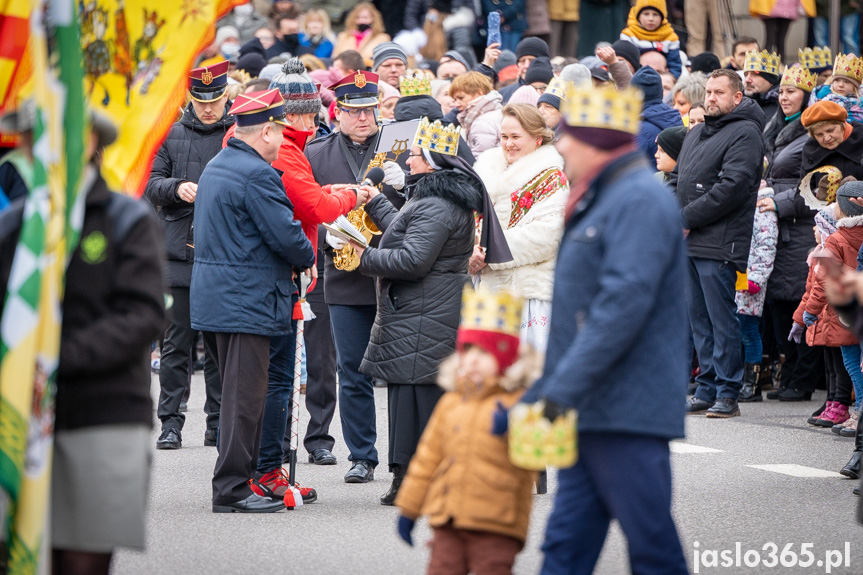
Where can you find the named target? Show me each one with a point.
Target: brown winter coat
(346, 41)
(843, 245)
(461, 472)
(566, 10)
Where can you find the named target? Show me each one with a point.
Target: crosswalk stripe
(682, 447)
(795, 470)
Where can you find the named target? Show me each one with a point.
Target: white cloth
(394, 175)
(536, 323)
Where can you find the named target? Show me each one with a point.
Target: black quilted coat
(184, 154)
(421, 268)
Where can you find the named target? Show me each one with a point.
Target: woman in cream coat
(525, 181)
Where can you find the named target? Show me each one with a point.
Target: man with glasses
(344, 157)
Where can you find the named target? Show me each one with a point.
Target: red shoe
(276, 484)
(839, 414)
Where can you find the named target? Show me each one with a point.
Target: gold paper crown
(849, 66)
(608, 108)
(484, 310)
(557, 87)
(764, 62)
(436, 137)
(815, 57)
(415, 84)
(799, 77)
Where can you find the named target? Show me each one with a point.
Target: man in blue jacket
(655, 114)
(249, 249)
(617, 343)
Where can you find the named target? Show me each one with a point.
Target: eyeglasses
(414, 155)
(357, 112)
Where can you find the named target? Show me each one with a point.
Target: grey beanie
(847, 191)
(506, 58)
(298, 89)
(386, 51)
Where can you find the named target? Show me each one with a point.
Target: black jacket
(112, 309)
(421, 269)
(784, 156)
(330, 166)
(716, 181)
(184, 154)
(768, 102)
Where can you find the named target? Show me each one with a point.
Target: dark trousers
(804, 365)
(775, 31)
(243, 362)
(321, 389)
(838, 381)
(175, 369)
(618, 476)
(352, 329)
(277, 414)
(410, 408)
(715, 328)
(460, 551)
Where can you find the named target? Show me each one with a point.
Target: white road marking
(682, 447)
(795, 470)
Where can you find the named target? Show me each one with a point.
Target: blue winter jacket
(655, 115)
(617, 350)
(247, 244)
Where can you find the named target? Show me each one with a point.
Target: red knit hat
(492, 322)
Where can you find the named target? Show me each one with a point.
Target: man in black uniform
(339, 157)
(190, 145)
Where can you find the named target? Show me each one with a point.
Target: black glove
(553, 410)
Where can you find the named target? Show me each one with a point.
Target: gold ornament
(415, 83)
(437, 137)
(848, 66)
(811, 58)
(558, 87)
(485, 310)
(536, 443)
(799, 77)
(607, 108)
(763, 62)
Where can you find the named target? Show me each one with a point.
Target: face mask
(244, 10)
(363, 27)
(291, 39)
(230, 49)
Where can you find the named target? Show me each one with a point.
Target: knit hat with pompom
(298, 89)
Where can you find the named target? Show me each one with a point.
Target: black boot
(852, 468)
(751, 386)
(389, 498)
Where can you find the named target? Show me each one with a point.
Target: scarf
(665, 33)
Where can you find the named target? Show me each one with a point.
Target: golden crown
(536, 443)
(484, 310)
(764, 62)
(799, 77)
(437, 137)
(415, 84)
(557, 87)
(608, 108)
(815, 57)
(849, 66)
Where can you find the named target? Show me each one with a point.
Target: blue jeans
(352, 328)
(715, 328)
(278, 408)
(851, 359)
(618, 476)
(849, 30)
(750, 333)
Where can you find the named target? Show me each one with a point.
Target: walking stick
(302, 312)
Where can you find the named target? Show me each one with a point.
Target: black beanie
(671, 140)
(772, 78)
(531, 47)
(629, 52)
(706, 62)
(540, 70)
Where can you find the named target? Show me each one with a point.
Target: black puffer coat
(784, 171)
(421, 267)
(716, 181)
(184, 154)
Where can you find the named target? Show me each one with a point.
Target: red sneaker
(276, 484)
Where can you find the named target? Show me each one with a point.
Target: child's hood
(658, 5)
(520, 375)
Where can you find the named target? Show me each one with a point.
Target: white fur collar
(501, 179)
(850, 222)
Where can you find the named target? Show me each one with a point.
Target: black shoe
(695, 406)
(322, 457)
(199, 364)
(170, 439)
(183, 407)
(816, 414)
(852, 468)
(723, 408)
(251, 504)
(210, 438)
(361, 472)
(856, 490)
(792, 394)
(775, 393)
(389, 498)
(751, 390)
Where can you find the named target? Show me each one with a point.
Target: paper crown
(607, 108)
(830, 177)
(814, 58)
(485, 310)
(557, 87)
(415, 84)
(209, 83)
(848, 66)
(259, 107)
(437, 137)
(799, 77)
(763, 62)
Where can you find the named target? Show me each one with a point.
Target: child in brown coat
(477, 502)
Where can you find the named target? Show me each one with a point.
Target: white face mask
(230, 49)
(244, 10)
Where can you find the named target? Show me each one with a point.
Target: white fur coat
(534, 240)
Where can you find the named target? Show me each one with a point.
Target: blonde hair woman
(364, 29)
(316, 33)
(525, 181)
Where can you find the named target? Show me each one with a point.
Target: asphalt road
(720, 499)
